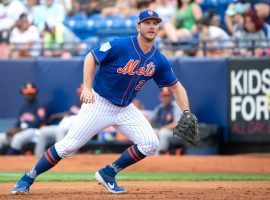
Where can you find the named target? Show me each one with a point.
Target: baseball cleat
(108, 182)
(23, 185)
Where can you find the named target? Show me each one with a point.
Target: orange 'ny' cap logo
(150, 12)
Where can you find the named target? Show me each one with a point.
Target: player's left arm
(180, 96)
(165, 77)
(187, 127)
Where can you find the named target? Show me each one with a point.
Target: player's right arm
(87, 95)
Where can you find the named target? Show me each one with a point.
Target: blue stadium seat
(132, 21)
(118, 24)
(79, 16)
(97, 17)
(116, 21)
(215, 2)
(95, 22)
(69, 22)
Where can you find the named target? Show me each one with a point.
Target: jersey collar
(138, 48)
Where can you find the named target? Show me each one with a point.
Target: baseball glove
(188, 128)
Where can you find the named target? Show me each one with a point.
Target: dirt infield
(146, 190)
(215, 190)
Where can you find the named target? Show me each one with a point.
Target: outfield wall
(207, 82)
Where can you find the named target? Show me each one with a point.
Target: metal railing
(187, 45)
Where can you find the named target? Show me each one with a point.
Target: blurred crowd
(66, 28)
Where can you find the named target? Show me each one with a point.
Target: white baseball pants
(96, 116)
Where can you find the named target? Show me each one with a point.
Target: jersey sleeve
(106, 52)
(164, 75)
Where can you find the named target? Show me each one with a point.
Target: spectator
(10, 11)
(79, 10)
(4, 45)
(58, 131)
(234, 18)
(214, 17)
(24, 39)
(165, 118)
(165, 9)
(214, 41)
(262, 7)
(67, 4)
(124, 7)
(253, 37)
(93, 7)
(32, 9)
(59, 41)
(184, 20)
(51, 10)
(31, 117)
(143, 4)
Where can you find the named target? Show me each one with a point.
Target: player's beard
(147, 38)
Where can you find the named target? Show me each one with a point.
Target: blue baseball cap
(148, 14)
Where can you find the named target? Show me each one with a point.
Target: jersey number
(140, 84)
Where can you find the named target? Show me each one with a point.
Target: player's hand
(87, 96)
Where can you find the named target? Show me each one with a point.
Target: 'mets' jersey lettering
(124, 68)
(131, 65)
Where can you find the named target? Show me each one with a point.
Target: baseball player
(125, 64)
(31, 116)
(164, 119)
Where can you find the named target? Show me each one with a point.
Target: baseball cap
(29, 88)
(148, 14)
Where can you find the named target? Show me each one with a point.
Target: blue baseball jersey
(124, 68)
(31, 115)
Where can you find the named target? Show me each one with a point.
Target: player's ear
(138, 27)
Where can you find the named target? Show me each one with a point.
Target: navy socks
(129, 157)
(46, 162)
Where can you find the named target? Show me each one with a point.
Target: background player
(125, 64)
(31, 116)
(164, 119)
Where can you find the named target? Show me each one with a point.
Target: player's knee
(151, 147)
(65, 150)
(155, 146)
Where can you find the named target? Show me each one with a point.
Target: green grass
(140, 176)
